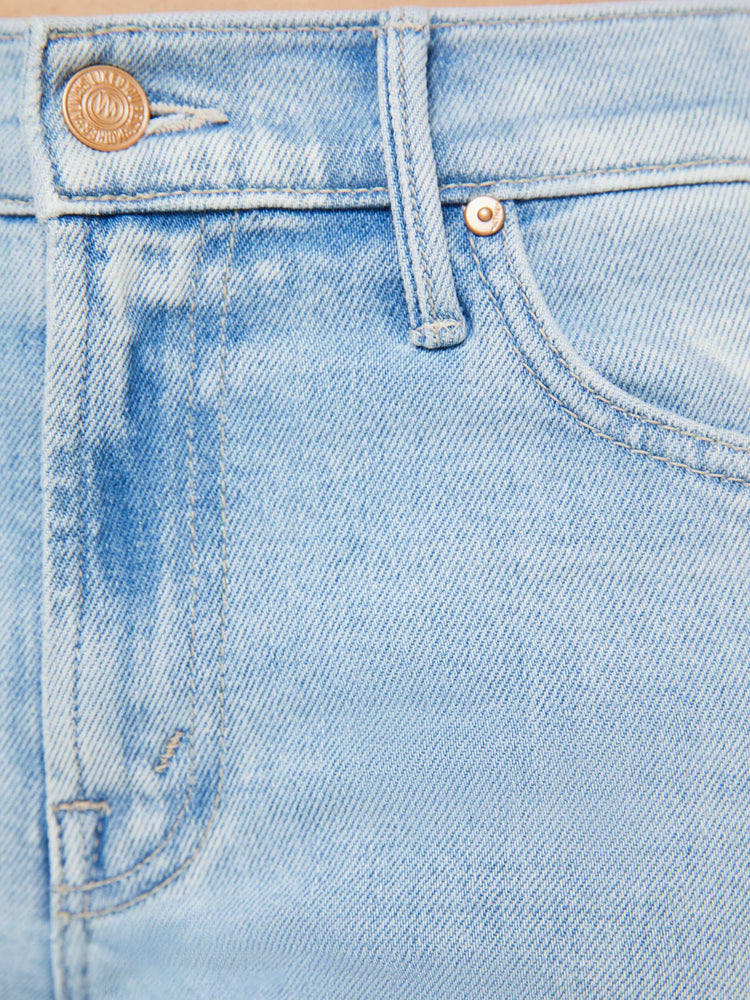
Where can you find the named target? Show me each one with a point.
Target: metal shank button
(484, 216)
(105, 108)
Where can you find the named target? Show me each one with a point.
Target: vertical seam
(64, 980)
(90, 868)
(416, 214)
(398, 211)
(82, 414)
(223, 478)
(85, 960)
(81, 431)
(97, 839)
(191, 489)
(64, 887)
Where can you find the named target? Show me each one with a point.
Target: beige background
(26, 8)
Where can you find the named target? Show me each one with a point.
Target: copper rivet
(484, 215)
(105, 108)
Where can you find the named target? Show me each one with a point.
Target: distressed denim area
(375, 605)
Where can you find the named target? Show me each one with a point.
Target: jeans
(375, 592)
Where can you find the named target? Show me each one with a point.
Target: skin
(65, 8)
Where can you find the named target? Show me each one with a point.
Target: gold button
(105, 108)
(484, 215)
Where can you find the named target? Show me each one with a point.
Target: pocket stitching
(594, 430)
(744, 449)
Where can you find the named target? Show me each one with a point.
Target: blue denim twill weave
(375, 595)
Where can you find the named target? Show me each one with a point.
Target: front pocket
(586, 372)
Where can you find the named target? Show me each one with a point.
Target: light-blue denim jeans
(375, 593)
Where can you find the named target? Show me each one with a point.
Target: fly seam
(64, 963)
(571, 413)
(86, 926)
(65, 983)
(191, 488)
(97, 840)
(77, 650)
(97, 883)
(224, 533)
(86, 914)
(80, 440)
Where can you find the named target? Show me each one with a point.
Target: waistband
(284, 110)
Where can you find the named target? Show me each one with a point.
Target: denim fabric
(375, 596)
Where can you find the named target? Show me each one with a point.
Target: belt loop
(435, 316)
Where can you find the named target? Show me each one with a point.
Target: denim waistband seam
(498, 182)
(636, 168)
(624, 15)
(148, 195)
(375, 29)
(292, 146)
